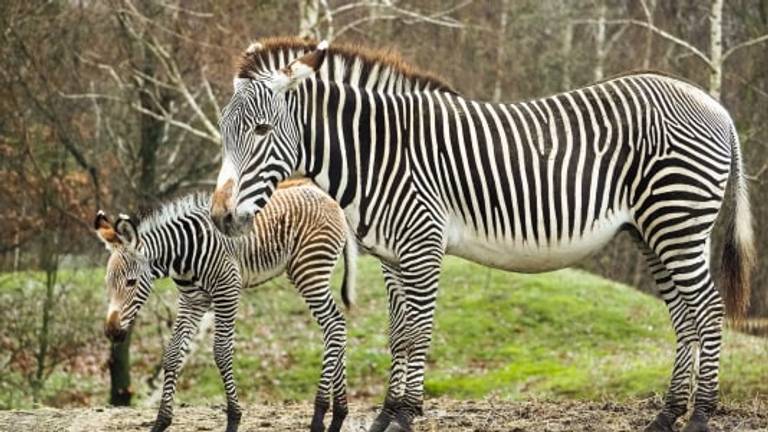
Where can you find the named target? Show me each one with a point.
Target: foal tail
(348, 293)
(739, 249)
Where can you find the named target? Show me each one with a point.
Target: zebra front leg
(225, 309)
(187, 321)
(419, 274)
(398, 348)
(421, 282)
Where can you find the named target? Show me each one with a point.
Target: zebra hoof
(381, 422)
(339, 414)
(396, 426)
(697, 423)
(400, 423)
(161, 424)
(662, 423)
(233, 420)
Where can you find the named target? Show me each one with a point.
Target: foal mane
(174, 209)
(364, 67)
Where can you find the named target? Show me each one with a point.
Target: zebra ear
(300, 69)
(105, 231)
(126, 231)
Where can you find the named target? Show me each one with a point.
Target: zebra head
(261, 140)
(128, 276)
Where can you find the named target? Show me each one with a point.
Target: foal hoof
(662, 423)
(697, 423)
(161, 424)
(233, 421)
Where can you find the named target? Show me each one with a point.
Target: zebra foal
(422, 172)
(301, 233)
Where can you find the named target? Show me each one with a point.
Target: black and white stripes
(528, 186)
(301, 233)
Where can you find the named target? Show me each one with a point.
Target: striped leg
(419, 273)
(689, 268)
(397, 346)
(678, 394)
(313, 282)
(185, 327)
(225, 309)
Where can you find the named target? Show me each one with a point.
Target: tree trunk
(309, 14)
(566, 54)
(151, 134)
(601, 49)
(49, 262)
(120, 372)
(501, 42)
(716, 48)
(651, 4)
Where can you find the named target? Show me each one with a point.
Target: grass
(566, 334)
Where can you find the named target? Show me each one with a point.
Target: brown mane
(275, 52)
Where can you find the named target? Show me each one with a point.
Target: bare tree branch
(666, 35)
(745, 44)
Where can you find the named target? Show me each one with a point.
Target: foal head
(128, 276)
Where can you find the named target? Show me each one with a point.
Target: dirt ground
(440, 415)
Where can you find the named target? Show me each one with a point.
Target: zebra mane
(374, 68)
(167, 212)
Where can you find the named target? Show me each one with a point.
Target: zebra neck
(348, 134)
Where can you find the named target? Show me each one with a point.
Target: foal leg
(678, 394)
(225, 308)
(187, 321)
(313, 282)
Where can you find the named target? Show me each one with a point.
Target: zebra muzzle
(112, 329)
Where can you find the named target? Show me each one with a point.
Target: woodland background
(114, 104)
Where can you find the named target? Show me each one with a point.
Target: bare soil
(440, 415)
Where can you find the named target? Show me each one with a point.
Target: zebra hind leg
(313, 283)
(678, 394)
(225, 309)
(689, 269)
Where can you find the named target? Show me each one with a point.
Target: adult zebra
(301, 233)
(421, 171)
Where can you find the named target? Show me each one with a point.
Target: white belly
(529, 257)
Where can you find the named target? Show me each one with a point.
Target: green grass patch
(559, 335)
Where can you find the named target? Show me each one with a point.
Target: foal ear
(105, 231)
(300, 69)
(126, 231)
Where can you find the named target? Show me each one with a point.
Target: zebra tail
(348, 292)
(739, 249)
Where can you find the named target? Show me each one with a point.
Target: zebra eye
(130, 282)
(262, 129)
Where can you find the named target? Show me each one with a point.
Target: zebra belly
(252, 278)
(530, 257)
